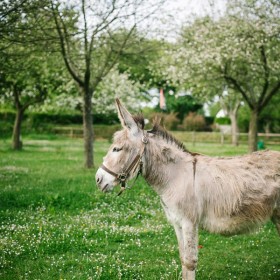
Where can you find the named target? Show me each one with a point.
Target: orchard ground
(56, 224)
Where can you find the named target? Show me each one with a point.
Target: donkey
(226, 195)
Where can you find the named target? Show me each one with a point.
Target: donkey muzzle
(104, 181)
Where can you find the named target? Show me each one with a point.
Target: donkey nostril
(98, 180)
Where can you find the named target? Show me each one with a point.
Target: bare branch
(267, 98)
(266, 75)
(16, 97)
(85, 30)
(63, 45)
(12, 9)
(237, 86)
(109, 64)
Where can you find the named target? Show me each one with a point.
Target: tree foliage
(28, 70)
(240, 50)
(94, 43)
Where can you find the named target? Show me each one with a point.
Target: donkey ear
(125, 117)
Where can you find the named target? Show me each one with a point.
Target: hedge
(222, 120)
(44, 122)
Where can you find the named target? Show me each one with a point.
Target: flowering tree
(240, 49)
(26, 81)
(92, 46)
(27, 70)
(114, 85)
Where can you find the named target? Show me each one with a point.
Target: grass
(55, 224)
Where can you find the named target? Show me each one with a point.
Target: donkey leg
(276, 219)
(179, 234)
(190, 238)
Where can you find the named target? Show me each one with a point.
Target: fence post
(193, 138)
(222, 138)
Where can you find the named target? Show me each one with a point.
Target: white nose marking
(102, 179)
(98, 178)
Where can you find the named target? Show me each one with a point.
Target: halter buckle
(122, 177)
(145, 139)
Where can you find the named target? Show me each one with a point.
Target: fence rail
(222, 138)
(184, 136)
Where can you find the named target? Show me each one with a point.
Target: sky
(185, 11)
(185, 8)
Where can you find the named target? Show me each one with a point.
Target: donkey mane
(139, 119)
(160, 131)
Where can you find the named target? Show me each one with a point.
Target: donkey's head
(123, 160)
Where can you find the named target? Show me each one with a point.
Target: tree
(28, 68)
(10, 16)
(231, 102)
(27, 82)
(182, 104)
(23, 22)
(139, 59)
(256, 73)
(240, 49)
(92, 46)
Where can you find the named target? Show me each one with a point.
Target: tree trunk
(253, 131)
(234, 129)
(88, 129)
(16, 138)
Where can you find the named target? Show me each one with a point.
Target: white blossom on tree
(114, 85)
(240, 49)
(67, 98)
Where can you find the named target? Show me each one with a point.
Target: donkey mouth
(104, 189)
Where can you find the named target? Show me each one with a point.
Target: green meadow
(56, 224)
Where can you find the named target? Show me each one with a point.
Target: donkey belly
(236, 223)
(253, 209)
(228, 225)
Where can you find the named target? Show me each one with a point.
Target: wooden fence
(222, 138)
(193, 137)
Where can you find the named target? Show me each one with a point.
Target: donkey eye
(117, 149)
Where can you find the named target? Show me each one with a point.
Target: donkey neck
(160, 160)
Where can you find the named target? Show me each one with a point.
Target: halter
(124, 175)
